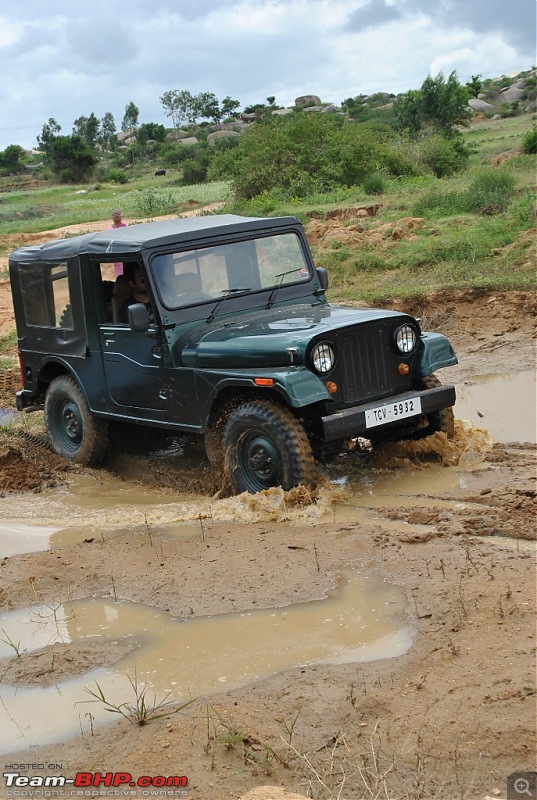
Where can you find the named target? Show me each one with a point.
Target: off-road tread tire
(443, 420)
(281, 424)
(94, 432)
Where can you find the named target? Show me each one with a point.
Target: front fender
(299, 386)
(435, 353)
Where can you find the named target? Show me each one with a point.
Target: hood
(263, 338)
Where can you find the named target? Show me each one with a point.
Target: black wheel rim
(70, 427)
(259, 462)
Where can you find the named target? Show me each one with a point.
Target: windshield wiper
(277, 288)
(227, 293)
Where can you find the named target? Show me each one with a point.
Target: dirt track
(450, 718)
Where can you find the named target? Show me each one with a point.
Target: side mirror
(322, 274)
(138, 318)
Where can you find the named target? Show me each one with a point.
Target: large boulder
(189, 140)
(480, 105)
(212, 138)
(308, 99)
(511, 94)
(282, 112)
(236, 125)
(176, 135)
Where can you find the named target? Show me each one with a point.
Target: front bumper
(352, 421)
(25, 401)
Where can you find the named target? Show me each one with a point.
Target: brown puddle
(103, 505)
(362, 620)
(503, 404)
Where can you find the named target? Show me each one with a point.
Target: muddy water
(362, 620)
(356, 488)
(503, 404)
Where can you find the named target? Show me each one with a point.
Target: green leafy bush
(529, 141)
(443, 156)
(303, 154)
(490, 191)
(151, 202)
(115, 175)
(374, 183)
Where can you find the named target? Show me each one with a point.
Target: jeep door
(139, 378)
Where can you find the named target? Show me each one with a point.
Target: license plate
(391, 412)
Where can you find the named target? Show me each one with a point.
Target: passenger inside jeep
(137, 291)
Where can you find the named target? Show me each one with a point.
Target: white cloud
(64, 60)
(8, 34)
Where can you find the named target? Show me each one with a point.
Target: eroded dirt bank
(450, 718)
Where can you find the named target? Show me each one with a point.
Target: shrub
(374, 183)
(490, 191)
(115, 175)
(153, 201)
(529, 141)
(443, 156)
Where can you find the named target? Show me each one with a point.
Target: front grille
(364, 359)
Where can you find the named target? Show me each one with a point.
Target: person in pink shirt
(117, 222)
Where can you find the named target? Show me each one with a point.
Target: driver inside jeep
(138, 290)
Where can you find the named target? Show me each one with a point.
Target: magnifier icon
(522, 786)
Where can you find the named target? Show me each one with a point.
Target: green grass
(467, 240)
(44, 208)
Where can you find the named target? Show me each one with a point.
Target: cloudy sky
(66, 59)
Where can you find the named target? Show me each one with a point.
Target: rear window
(45, 295)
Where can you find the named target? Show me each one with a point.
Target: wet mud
(142, 569)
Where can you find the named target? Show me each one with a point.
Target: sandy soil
(451, 718)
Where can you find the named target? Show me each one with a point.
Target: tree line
(299, 152)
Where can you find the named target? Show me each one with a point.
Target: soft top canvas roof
(135, 238)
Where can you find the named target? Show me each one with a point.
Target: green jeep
(239, 344)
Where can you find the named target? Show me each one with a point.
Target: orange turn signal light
(403, 369)
(331, 386)
(264, 381)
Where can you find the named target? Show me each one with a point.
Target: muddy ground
(450, 718)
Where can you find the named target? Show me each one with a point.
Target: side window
(45, 295)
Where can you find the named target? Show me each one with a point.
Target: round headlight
(322, 358)
(406, 339)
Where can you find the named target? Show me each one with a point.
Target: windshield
(212, 273)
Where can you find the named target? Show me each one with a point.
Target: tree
(474, 86)
(49, 132)
(445, 103)
(107, 134)
(229, 106)
(130, 118)
(439, 105)
(207, 106)
(87, 128)
(10, 159)
(179, 104)
(151, 130)
(354, 106)
(72, 158)
(409, 112)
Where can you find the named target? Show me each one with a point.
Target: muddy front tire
(73, 431)
(443, 420)
(265, 446)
